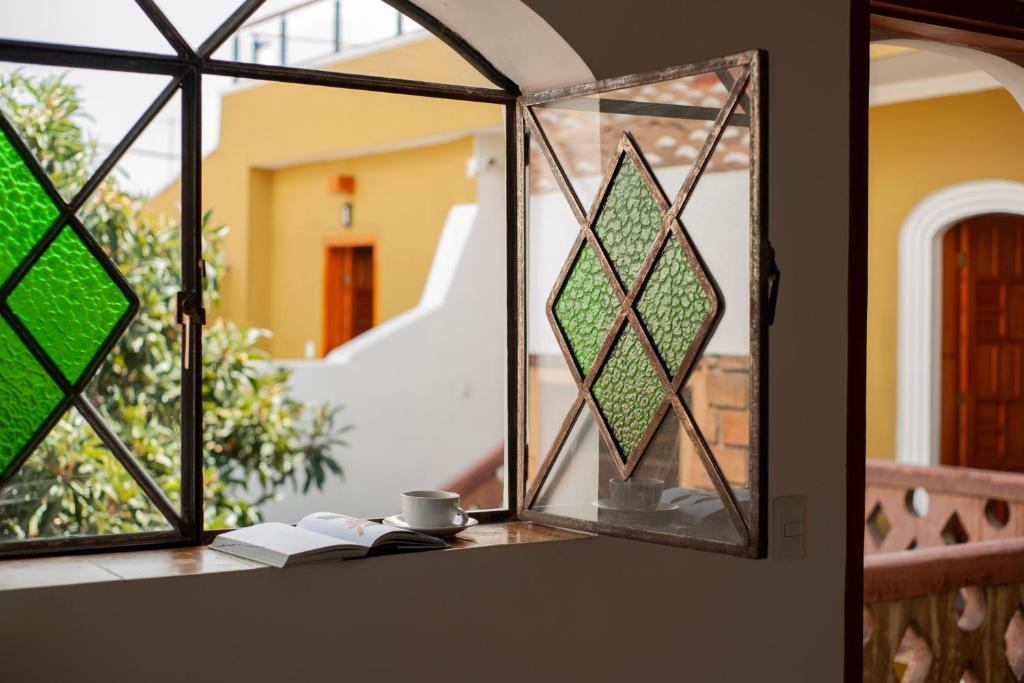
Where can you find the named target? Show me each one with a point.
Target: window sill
(154, 564)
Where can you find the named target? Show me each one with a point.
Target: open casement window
(643, 286)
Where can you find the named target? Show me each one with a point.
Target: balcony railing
(910, 507)
(316, 29)
(943, 575)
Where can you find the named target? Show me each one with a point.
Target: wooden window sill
(47, 572)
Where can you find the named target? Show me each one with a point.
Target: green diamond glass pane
(585, 308)
(26, 211)
(27, 397)
(628, 392)
(69, 303)
(628, 221)
(673, 305)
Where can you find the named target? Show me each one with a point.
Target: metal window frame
(186, 69)
(763, 286)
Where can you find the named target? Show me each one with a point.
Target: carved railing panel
(909, 507)
(945, 614)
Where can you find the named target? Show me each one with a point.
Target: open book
(320, 536)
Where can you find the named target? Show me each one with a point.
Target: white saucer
(440, 531)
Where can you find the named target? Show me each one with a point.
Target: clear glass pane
(717, 221)
(669, 121)
(195, 21)
(137, 388)
(584, 484)
(116, 24)
(72, 485)
(357, 311)
(72, 118)
(551, 390)
(366, 37)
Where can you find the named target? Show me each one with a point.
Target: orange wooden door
(349, 294)
(983, 343)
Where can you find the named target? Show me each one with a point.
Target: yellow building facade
(917, 148)
(269, 180)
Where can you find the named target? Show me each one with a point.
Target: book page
(279, 538)
(352, 529)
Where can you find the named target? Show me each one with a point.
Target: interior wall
(603, 609)
(915, 149)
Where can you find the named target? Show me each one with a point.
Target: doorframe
(919, 350)
(348, 241)
(943, 20)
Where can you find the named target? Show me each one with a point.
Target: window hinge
(189, 312)
(960, 398)
(961, 259)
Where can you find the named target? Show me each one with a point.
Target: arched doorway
(982, 398)
(920, 319)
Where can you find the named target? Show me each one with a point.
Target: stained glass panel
(585, 308)
(69, 303)
(628, 221)
(628, 392)
(673, 305)
(27, 397)
(26, 211)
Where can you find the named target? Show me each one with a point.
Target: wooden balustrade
(910, 507)
(945, 614)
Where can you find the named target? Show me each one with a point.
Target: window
(645, 286)
(134, 417)
(601, 330)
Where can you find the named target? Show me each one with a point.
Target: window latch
(189, 312)
(773, 282)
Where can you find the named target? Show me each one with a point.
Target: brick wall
(717, 394)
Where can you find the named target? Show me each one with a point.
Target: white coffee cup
(432, 509)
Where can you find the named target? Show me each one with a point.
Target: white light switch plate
(789, 526)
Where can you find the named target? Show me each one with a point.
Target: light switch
(788, 527)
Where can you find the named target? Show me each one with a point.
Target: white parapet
(425, 390)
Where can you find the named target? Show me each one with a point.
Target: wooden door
(349, 293)
(983, 343)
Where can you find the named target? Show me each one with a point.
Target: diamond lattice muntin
(658, 289)
(63, 304)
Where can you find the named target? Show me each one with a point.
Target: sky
(114, 101)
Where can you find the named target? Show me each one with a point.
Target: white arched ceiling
(1009, 75)
(515, 39)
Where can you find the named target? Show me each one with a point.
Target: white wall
(597, 610)
(425, 391)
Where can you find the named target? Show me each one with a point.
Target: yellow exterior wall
(401, 200)
(917, 148)
(279, 135)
